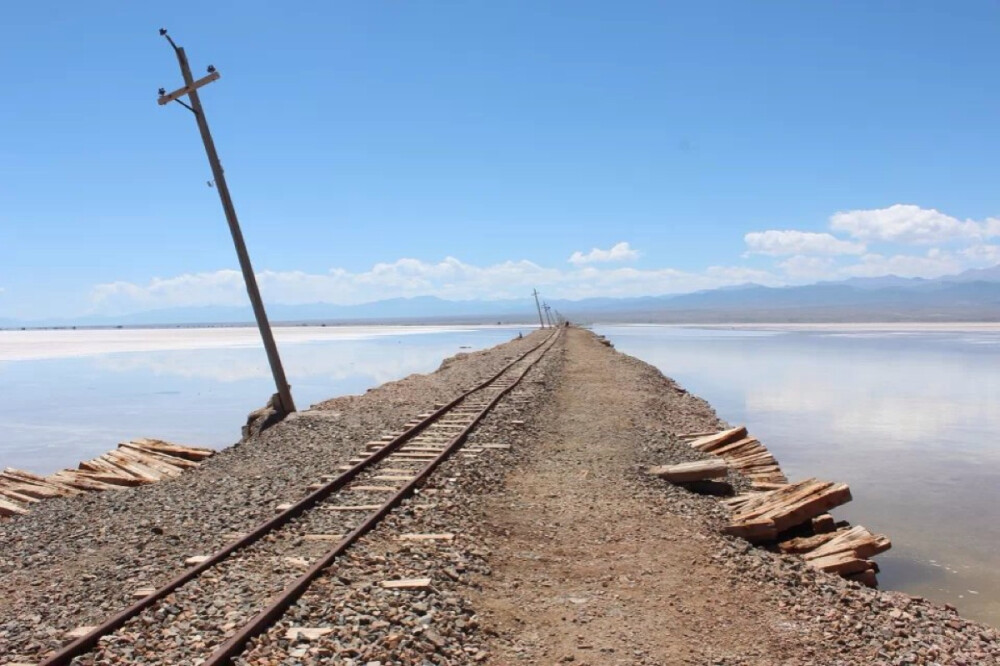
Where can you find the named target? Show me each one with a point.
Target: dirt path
(591, 569)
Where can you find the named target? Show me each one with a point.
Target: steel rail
(224, 654)
(89, 641)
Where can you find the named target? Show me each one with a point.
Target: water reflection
(907, 418)
(56, 410)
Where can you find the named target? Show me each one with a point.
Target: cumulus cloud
(783, 242)
(449, 279)
(906, 223)
(801, 267)
(934, 263)
(618, 252)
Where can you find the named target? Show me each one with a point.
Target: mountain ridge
(972, 294)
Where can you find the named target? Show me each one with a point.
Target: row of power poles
(542, 305)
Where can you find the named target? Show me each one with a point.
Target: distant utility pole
(540, 320)
(548, 317)
(190, 89)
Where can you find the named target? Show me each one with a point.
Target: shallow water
(67, 396)
(909, 418)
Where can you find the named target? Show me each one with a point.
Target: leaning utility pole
(540, 320)
(548, 317)
(191, 90)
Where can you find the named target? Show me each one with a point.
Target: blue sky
(470, 149)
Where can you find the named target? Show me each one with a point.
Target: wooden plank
(408, 584)
(11, 509)
(354, 507)
(193, 453)
(12, 494)
(137, 457)
(174, 461)
(134, 469)
(719, 439)
(700, 470)
(823, 523)
(841, 563)
(374, 489)
(306, 633)
(83, 482)
(745, 445)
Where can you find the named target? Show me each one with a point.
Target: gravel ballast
(564, 551)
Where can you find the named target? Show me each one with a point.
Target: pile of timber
(789, 516)
(761, 517)
(743, 453)
(796, 517)
(133, 463)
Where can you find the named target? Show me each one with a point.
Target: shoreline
(55, 541)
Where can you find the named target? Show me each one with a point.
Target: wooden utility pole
(190, 90)
(548, 316)
(540, 320)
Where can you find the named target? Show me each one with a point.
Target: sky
(478, 150)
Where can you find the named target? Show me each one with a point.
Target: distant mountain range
(973, 295)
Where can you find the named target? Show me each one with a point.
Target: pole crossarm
(187, 90)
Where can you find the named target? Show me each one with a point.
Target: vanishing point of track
(397, 465)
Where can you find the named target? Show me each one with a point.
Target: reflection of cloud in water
(333, 362)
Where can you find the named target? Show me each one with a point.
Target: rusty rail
(234, 645)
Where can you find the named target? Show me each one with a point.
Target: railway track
(222, 601)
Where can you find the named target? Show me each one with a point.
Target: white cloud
(801, 267)
(449, 279)
(906, 223)
(934, 263)
(780, 242)
(619, 252)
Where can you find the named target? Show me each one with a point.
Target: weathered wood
(719, 439)
(11, 509)
(745, 445)
(194, 453)
(823, 523)
(306, 633)
(699, 470)
(763, 516)
(408, 584)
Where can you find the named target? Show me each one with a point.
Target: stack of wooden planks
(761, 517)
(791, 515)
(845, 551)
(744, 453)
(800, 508)
(133, 463)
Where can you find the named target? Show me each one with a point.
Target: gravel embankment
(74, 562)
(564, 552)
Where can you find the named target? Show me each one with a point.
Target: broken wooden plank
(306, 633)
(408, 584)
